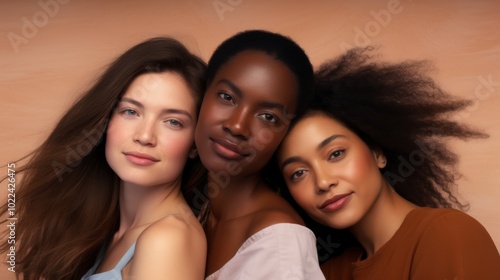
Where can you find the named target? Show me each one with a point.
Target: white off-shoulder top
(280, 251)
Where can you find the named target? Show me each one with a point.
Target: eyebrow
(164, 111)
(230, 84)
(290, 160)
(265, 104)
(328, 140)
(320, 146)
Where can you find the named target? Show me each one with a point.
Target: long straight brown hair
(67, 203)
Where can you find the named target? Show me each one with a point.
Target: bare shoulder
(174, 247)
(273, 210)
(172, 230)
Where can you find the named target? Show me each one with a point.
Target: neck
(231, 197)
(382, 220)
(143, 205)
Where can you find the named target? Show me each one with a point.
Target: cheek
(178, 145)
(361, 168)
(209, 109)
(199, 129)
(204, 110)
(303, 195)
(113, 134)
(266, 140)
(272, 137)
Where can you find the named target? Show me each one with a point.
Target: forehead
(310, 131)
(165, 89)
(318, 124)
(259, 74)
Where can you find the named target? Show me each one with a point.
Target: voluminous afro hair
(398, 109)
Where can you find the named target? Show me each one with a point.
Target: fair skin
(335, 177)
(243, 119)
(149, 138)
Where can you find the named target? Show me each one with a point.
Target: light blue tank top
(113, 274)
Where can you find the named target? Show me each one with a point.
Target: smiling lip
(140, 158)
(227, 149)
(335, 202)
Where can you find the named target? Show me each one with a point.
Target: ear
(380, 158)
(193, 153)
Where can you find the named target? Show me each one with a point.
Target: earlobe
(382, 162)
(193, 153)
(380, 158)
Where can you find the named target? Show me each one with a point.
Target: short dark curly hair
(278, 46)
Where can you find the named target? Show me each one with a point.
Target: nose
(237, 124)
(325, 179)
(145, 133)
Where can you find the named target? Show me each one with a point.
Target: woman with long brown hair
(108, 182)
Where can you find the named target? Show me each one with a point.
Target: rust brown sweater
(444, 244)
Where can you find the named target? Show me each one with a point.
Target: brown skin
(322, 159)
(243, 118)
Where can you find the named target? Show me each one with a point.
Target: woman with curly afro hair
(369, 160)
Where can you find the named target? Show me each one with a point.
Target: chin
(338, 222)
(213, 166)
(137, 182)
(143, 180)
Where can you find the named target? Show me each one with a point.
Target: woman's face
(245, 113)
(151, 131)
(330, 172)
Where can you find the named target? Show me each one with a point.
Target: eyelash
(224, 96)
(336, 154)
(295, 175)
(275, 120)
(229, 98)
(128, 112)
(132, 113)
(178, 123)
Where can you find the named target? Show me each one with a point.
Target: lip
(227, 149)
(336, 202)
(140, 158)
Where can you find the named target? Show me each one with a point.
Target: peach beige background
(51, 50)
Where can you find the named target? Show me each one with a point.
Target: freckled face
(245, 113)
(330, 172)
(151, 131)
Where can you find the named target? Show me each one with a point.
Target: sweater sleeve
(455, 246)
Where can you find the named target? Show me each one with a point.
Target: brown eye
(298, 174)
(336, 154)
(225, 96)
(269, 117)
